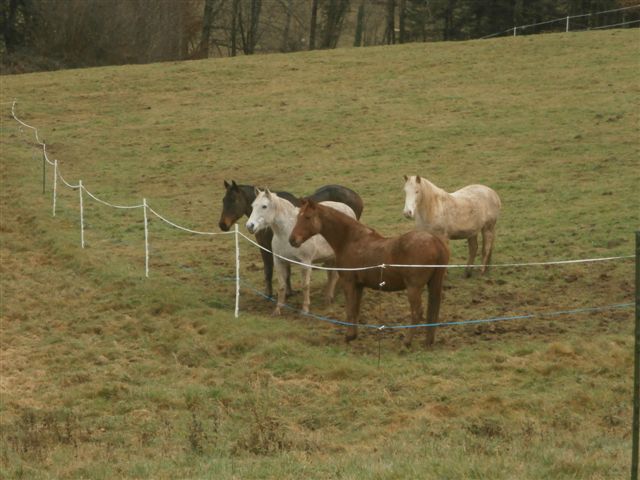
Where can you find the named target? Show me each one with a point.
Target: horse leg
(415, 301)
(488, 237)
(281, 273)
(353, 295)
(435, 296)
(289, 292)
(306, 287)
(473, 249)
(264, 237)
(332, 280)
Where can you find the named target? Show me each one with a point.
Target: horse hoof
(467, 274)
(277, 312)
(349, 337)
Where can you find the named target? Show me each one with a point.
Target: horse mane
(433, 199)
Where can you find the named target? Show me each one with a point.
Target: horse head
(307, 224)
(234, 205)
(262, 211)
(412, 192)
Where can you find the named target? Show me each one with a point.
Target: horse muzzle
(408, 213)
(295, 241)
(224, 226)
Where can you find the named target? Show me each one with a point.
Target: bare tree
(333, 12)
(390, 33)
(402, 10)
(314, 25)
(357, 42)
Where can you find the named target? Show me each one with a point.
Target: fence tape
(197, 232)
(111, 204)
(398, 265)
(616, 24)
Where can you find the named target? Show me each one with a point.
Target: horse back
(479, 194)
(290, 197)
(338, 193)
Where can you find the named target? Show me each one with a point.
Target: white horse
(269, 210)
(458, 215)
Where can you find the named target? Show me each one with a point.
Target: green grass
(106, 374)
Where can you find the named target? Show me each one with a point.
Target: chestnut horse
(237, 202)
(459, 215)
(357, 246)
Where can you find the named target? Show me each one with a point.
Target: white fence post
(81, 215)
(237, 311)
(567, 27)
(515, 29)
(146, 239)
(55, 185)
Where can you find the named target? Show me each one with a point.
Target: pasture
(106, 374)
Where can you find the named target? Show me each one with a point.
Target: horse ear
(267, 192)
(417, 178)
(226, 185)
(256, 190)
(405, 178)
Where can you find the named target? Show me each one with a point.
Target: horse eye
(264, 206)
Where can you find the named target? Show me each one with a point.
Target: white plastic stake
(55, 185)
(80, 187)
(515, 29)
(567, 27)
(146, 239)
(237, 273)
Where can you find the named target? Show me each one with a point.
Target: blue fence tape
(439, 324)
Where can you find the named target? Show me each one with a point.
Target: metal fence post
(81, 214)
(635, 433)
(237, 309)
(146, 239)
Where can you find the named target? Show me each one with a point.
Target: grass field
(106, 374)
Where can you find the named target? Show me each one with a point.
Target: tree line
(49, 34)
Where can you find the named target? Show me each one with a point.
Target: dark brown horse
(357, 245)
(237, 202)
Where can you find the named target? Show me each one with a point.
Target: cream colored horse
(271, 211)
(458, 215)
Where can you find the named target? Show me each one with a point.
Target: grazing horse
(357, 245)
(458, 215)
(271, 211)
(237, 202)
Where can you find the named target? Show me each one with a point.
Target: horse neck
(249, 193)
(433, 200)
(336, 227)
(284, 216)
